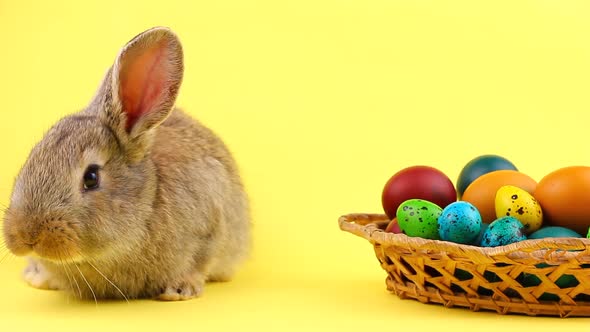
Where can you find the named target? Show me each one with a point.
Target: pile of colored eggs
(493, 204)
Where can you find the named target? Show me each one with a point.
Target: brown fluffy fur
(170, 213)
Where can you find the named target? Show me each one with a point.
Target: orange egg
(482, 192)
(564, 196)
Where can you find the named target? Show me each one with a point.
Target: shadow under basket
(544, 277)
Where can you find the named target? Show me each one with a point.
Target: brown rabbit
(131, 198)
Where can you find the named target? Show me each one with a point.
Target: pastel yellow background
(321, 102)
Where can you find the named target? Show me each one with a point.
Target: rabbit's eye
(91, 178)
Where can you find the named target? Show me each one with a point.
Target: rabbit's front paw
(36, 275)
(183, 289)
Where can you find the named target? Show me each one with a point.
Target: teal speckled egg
(503, 231)
(482, 230)
(419, 218)
(553, 231)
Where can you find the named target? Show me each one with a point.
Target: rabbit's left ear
(145, 79)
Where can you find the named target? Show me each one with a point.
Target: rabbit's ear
(145, 80)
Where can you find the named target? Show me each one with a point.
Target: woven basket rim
(366, 225)
(507, 279)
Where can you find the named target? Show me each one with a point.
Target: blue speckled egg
(503, 231)
(459, 222)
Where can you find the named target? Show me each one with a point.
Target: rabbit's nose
(29, 237)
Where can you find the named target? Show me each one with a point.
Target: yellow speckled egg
(515, 202)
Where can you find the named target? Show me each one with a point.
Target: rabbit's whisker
(3, 207)
(109, 281)
(67, 268)
(87, 283)
(6, 254)
(63, 266)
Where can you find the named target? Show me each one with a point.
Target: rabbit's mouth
(54, 239)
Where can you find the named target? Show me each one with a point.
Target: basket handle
(362, 224)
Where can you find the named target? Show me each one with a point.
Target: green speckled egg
(503, 231)
(417, 217)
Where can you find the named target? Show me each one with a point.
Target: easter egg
(515, 202)
(482, 230)
(563, 195)
(503, 231)
(459, 222)
(553, 231)
(393, 227)
(482, 192)
(417, 182)
(479, 166)
(419, 218)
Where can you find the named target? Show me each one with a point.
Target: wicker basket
(545, 277)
